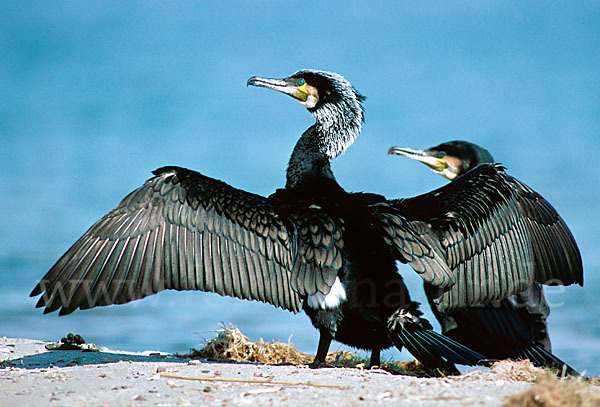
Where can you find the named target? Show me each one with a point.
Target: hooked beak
(281, 85)
(436, 164)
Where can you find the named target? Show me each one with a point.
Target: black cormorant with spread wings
(310, 246)
(515, 327)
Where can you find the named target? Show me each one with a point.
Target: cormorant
(515, 327)
(310, 246)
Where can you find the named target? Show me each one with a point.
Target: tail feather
(459, 353)
(436, 351)
(408, 329)
(423, 352)
(542, 358)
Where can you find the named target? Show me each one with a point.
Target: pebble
(262, 390)
(384, 395)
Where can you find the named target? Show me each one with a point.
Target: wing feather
(497, 235)
(556, 255)
(413, 243)
(183, 231)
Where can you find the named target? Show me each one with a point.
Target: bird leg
(324, 342)
(375, 358)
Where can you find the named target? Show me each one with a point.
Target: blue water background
(95, 95)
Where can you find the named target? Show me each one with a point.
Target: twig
(253, 381)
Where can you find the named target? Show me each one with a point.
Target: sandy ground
(32, 375)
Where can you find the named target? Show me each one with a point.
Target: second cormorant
(515, 327)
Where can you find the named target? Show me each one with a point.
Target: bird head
(315, 90)
(330, 98)
(450, 159)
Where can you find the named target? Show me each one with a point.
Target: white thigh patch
(336, 295)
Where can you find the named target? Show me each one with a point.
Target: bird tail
(435, 351)
(540, 357)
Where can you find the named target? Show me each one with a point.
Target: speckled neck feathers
(338, 122)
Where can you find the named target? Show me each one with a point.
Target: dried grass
(520, 371)
(514, 371)
(344, 358)
(549, 391)
(232, 345)
(410, 368)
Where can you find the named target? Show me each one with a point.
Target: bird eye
(301, 81)
(441, 154)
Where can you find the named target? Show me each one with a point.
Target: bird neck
(336, 128)
(308, 160)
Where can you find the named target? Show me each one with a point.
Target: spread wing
(484, 225)
(413, 243)
(556, 256)
(182, 231)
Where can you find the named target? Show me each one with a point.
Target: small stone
(174, 385)
(161, 369)
(183, 401)
(384, 395)
(262, 390)
(207, 389)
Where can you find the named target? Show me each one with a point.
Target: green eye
(301, 81)
(441, 154)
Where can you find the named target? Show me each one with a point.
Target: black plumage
(488, 219)
(310, 245)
